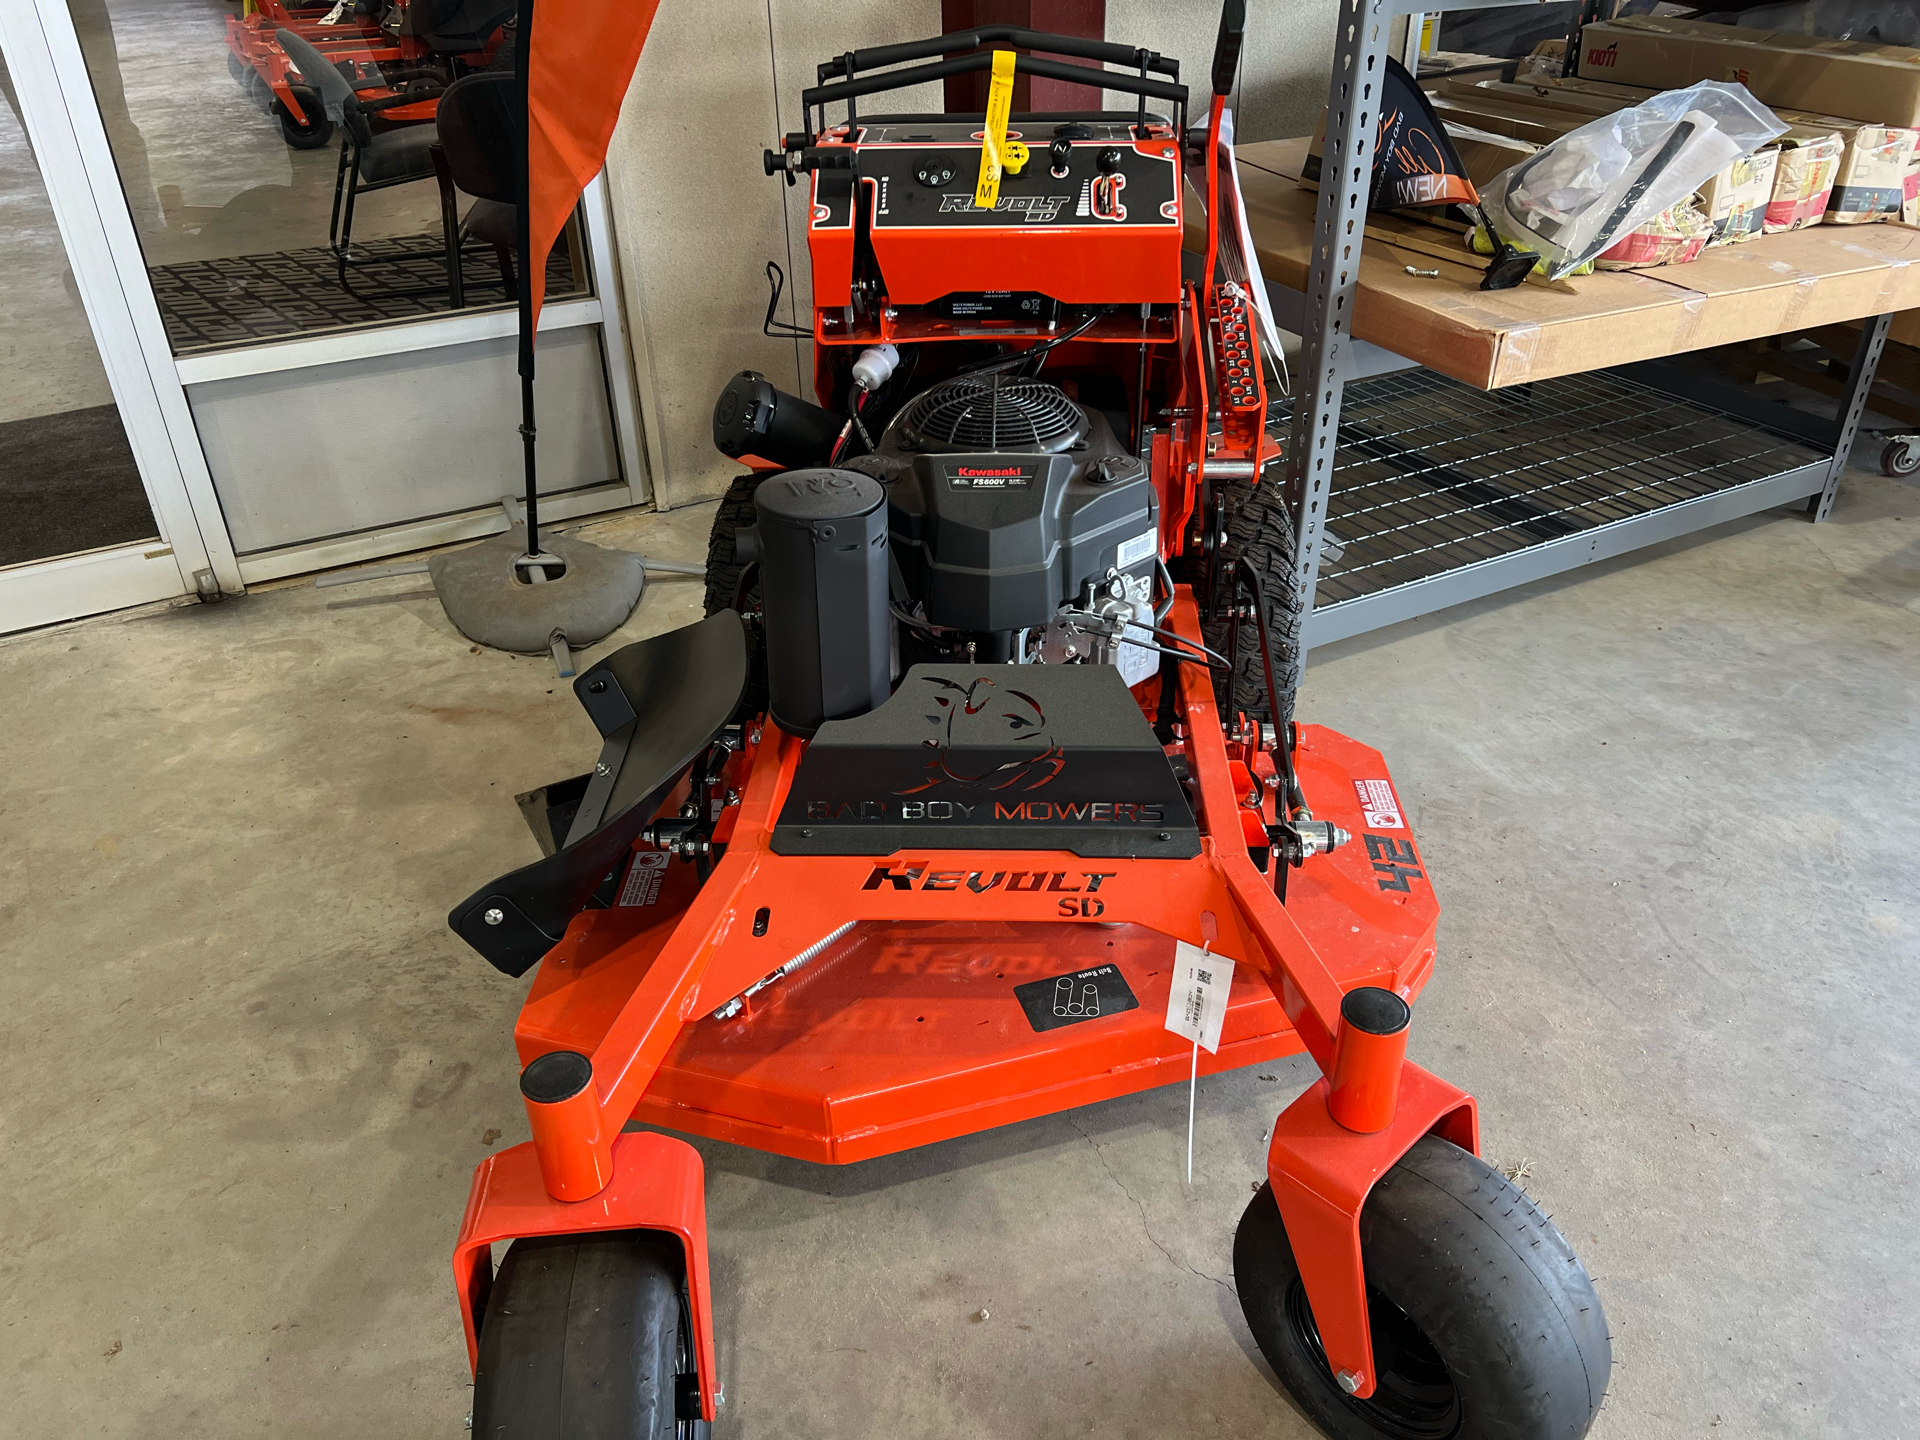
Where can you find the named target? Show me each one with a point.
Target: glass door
(68, 479)
(336, 310)
(94, 511)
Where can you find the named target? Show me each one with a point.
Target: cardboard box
(1803, 182)
(1570, 94)
(1879, 84)
(1483, 152)
(1537, 125)
(1548, 58)
(1603, 95)
(1871, 177)
(1735, 201)
(1486, 154)
(1674, 236)
(1870, 182)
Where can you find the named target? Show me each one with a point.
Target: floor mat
(244, 298)
(69, 482)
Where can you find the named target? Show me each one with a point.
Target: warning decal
(642, 885)
(1377, 802)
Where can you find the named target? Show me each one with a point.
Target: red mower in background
(980, 770)
(398, 54)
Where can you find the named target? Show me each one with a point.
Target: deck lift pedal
(990, 719)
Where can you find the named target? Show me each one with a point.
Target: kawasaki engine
(1021, 529)
(995, 520)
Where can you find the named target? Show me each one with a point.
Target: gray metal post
(1853, 404)
(1339, 222)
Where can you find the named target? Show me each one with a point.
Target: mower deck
(903, 1032)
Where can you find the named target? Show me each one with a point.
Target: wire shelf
(1433, 475)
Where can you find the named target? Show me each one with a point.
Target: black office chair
(481, 151)
(457, 27)
(367, 161)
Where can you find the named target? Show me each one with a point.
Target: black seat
(457, 27)
(657, 704)
(368, 160)
(481, 145)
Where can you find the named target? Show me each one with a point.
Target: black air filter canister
(823, 580)
(751, 417)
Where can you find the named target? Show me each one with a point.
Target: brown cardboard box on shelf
(1537, 125)
(1870, 174)
(1879, 84)
(1549, 57)
(1595, 98)
(1673, 237)
(1870, 182)
(1735, 201)
(1563, 95)
(1803, 181)
(1604, 95)
(1484, 153)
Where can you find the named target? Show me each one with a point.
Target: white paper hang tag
(1239, 260)
(1197, 1000)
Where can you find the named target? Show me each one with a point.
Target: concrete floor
(1669, 806)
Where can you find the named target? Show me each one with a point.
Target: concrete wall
(1284, 64)
(698, 219)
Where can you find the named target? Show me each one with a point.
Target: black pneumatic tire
(1260, 529)
(1485, 1323)
(581, 1339)
(736, 512)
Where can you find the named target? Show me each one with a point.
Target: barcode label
(1133, 551)
(1197, 1001)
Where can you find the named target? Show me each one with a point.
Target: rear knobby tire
(582, 1337)
(1485, 1323)
(724, 569)
(1260, 530)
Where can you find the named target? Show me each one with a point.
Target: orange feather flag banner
(579, 57)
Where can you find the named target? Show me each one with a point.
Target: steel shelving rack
(1412, 492)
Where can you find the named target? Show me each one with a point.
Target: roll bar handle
(880, 56)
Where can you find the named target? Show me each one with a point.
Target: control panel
(1076, 173)
(1085, 214)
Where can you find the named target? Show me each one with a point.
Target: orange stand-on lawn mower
(397, 54)
(984, 749)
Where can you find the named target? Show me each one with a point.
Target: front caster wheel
(1485, 1323)
(311, 134)
(587, 1335)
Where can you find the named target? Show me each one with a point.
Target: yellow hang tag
(993, 152)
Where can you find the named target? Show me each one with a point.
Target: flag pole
(523, 62)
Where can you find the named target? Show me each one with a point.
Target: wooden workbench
(1823, 275)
